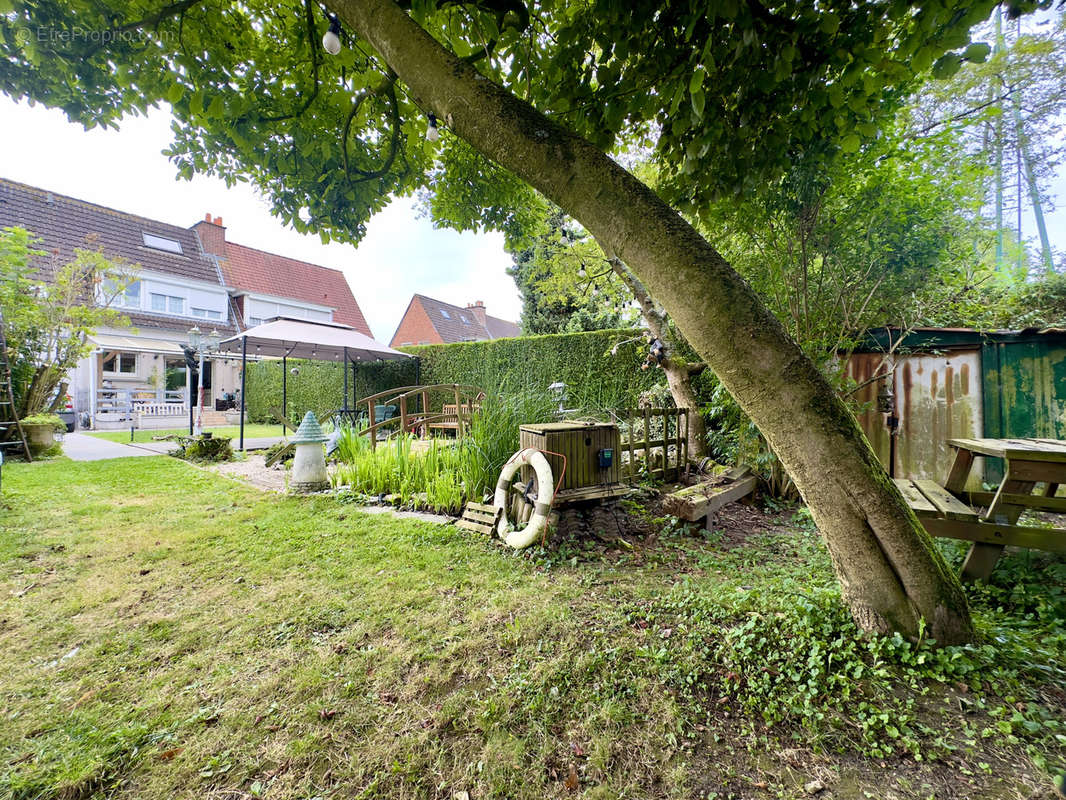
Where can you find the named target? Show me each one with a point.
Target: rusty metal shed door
(939, 398)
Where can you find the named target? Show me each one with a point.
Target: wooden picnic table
(989, 519)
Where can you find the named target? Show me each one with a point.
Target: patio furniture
(989, 519)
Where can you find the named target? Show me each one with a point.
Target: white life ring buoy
(545, 493)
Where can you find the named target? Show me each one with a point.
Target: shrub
(600, 368)
(46, 419)
(204, 448)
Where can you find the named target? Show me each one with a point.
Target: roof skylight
(162, 243)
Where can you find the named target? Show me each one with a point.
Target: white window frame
(169, 301)
(120, 356)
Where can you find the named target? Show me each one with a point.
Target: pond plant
(447, 473)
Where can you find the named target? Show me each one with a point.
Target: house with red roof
(186, 278)
(265, 285)
(429, 321)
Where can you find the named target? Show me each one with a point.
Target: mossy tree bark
(890, 573)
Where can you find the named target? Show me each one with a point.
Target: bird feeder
(309, 465)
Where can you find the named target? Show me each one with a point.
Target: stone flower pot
(40, 437)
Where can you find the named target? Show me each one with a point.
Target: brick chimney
(477, 308)
(212, 235)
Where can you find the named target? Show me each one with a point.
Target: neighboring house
(186, 277)
(429, 321)
(264, 285)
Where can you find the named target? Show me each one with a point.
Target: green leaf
(174, 93)
(977, 52)
(922, 59)
(946, 66)
(698, 101)
(695, 83)
(217, 109)
(850, 143)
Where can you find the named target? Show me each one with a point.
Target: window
(165, 303)
(464, 319)
(120, 363)
(253, 321)
(131, 298)
(445, 314)
(206, 313)
(161, 243)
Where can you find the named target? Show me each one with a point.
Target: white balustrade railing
(111, 402)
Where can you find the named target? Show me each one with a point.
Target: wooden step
(479, 518)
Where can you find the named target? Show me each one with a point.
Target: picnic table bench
(989, 519)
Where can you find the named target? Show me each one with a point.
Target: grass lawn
(167, 633)
(256, 431)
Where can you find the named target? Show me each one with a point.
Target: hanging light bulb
(581, 273)
(331, 42)
(432, 134)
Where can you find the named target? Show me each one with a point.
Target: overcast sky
(125, 170)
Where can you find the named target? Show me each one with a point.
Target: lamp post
(201, 345)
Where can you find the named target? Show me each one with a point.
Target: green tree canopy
(727, 94)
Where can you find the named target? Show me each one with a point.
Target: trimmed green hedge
(596, 377)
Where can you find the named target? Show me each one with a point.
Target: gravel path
(254, 471)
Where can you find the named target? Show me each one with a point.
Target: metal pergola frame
(284, 337)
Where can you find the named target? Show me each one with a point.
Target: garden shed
(947, 383)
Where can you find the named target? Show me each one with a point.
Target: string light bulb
(432, 134)
(581, 273)
(331, 42)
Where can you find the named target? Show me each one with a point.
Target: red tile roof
(251, 270)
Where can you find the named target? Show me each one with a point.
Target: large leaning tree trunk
(890, 573)
(679, 373)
